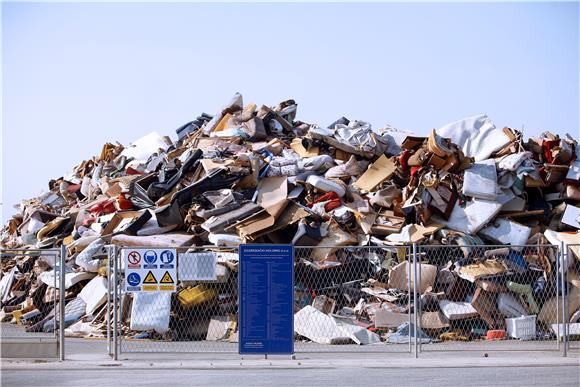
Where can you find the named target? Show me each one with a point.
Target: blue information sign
(266, 299)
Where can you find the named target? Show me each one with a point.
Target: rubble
(257, 174)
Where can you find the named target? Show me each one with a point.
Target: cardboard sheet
(272, 194)
(297, 147)
(379, 171)
(399, 276)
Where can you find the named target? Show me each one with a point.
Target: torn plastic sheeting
(405, 333)
(70, 279)
(506, 232)
(150, 311)
(324, 329)
(471, 218)
(480, 180)
(477, 136)
(94, 294)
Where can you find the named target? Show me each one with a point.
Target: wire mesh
(489, 297)
(29, 298)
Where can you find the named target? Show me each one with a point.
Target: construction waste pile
(470, 194)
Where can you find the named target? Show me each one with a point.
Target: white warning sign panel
(150, 270)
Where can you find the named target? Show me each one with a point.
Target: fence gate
(39, 328)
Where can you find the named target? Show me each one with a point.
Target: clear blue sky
(78, 75)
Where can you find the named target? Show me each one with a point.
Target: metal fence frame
(116, 278)
(58, 285)
(568, 257)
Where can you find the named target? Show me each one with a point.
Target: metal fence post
(415, 299)
(115, 305)
(408, 258)
(61, 301)
(565, 319)
(558, 299)
(108, 318)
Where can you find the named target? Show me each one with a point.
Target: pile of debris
(249, 174)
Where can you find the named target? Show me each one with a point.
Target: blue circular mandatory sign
(150, 256)
(133, 279)
(166, 256)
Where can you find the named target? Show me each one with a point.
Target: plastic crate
(523, 328)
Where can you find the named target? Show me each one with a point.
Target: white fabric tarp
(477, 136)
(146, 146)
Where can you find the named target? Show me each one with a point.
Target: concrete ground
(443, 364)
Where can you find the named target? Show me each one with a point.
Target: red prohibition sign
(134, 257)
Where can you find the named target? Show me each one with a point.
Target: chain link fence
(342, 302)
(32, 309)
(365, 299)
(489, 297)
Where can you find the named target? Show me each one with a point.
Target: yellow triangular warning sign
(150, 278)
(166, 279)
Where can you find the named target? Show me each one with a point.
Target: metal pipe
(408, 258)
(61, 291)
(55, 302)
(419, 308)
(565, 321)
(115, 308)
(558, 292)
(415, 299)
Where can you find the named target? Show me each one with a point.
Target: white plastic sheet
(151, 311)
